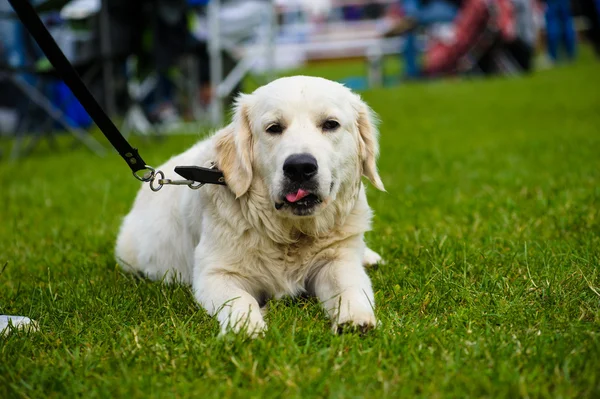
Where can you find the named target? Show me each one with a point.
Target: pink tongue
(293, 197)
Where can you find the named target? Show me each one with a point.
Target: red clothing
(478, 24)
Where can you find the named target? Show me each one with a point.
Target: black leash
(69, 75)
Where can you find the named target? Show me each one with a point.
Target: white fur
(231, 243)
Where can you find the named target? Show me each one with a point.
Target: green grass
(490, 228)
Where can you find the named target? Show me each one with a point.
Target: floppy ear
(234, 149)
(367, 142)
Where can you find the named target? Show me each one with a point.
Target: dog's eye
(330, 125)
(275, 128)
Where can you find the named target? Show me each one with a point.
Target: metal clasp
(157, 179)
(161, 182)
(146, 177)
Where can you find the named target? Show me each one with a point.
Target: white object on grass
(16, 322)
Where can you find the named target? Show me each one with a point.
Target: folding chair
(14, 68)
(232, 33)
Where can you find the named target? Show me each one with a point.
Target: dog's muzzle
(300, 186)
(300, 168)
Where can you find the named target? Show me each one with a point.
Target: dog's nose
(300, 167)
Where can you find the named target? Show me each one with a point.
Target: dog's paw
(372, 258)
(356, 323)
(251, 325)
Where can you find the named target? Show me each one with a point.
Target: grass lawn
(490, 229)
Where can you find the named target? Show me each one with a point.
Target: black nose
(300, 167)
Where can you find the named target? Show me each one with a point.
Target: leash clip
(160, 183)
(157, 179)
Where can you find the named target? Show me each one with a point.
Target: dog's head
(306, 138)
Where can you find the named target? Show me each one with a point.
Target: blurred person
(560, 31)
(159, 32)
(420, 13)
(161, 26)
(491, 35)
(526, 14)
(481, 31)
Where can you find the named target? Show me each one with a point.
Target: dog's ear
(368, 145)
(234, 149)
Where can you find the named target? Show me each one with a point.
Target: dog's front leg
(222, 295)
(344, 289)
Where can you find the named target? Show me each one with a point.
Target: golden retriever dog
(290, 220)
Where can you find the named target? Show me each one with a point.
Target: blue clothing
(559, 28)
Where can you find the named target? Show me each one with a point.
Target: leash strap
(193, 174)
(204, 175)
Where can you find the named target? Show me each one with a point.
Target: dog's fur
(240, 244)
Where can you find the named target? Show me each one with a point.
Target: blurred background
(168, 66)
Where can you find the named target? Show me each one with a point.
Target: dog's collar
(201, 175)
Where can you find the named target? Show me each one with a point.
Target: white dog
(291, 219)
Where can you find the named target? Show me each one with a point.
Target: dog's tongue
(294, 197)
